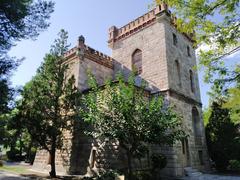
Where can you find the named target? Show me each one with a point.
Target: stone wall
(99, 71)
(151, 41)
(179, 52)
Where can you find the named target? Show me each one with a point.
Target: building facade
(162, 56)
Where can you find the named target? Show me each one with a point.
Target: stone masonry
(168, 65)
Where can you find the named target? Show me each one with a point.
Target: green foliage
(234, 165)
(49, 100)
(159, 161)
(131, 115)
(206, 115)
(108, 175)
(20, 19)
(233, 103)
(3, 132)
(143, 175)
(222, 136)
(14, 155)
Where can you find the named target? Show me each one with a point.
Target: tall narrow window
(197, 126)
(191, 80)
(174, 39)
(188, 51)
(137, 61)
(178, 72)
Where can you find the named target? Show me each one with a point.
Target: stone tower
(166, 59)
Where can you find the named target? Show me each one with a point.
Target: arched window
(178, 72)
(191, 80)
(137, 61)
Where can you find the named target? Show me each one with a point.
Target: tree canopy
(131, 115)
(222, 136)
(21, 19)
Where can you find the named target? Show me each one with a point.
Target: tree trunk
(129, 157)
(52, 173)
(21, 147)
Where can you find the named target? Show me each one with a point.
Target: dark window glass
(188, 51)
(178, 72)
(174, 39)
(191, 80)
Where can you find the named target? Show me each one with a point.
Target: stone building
(162, 56)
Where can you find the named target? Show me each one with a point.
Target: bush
(1, 163)
(108, 175)
(234, 165)
(159, 161)
(142, 175)
(14, 155)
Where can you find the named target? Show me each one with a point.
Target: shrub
(108, 175)
(234, 165)
(1, 163)
(159, 161)
(14, 155)
(142, 175)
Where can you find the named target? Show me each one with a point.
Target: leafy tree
(130, 115)
(49, 100)
(3, 123)
(21, 19)
(216, 26)
(233, 103)
(222, 136)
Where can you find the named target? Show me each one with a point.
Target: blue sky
(90, 18)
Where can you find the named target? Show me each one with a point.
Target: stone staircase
(191, 172)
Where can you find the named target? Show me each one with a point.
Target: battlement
(98, 57)
(87, 52)
(141, 22)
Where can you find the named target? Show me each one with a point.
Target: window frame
(137, 61)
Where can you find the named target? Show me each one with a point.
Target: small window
(137, 61)
(175, 39)
(178, 73)
(191, 80)
(183, 146)
(188, 51)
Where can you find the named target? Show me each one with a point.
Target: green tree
(49, 100)
(130, 115)
(206, 114)
(3, 124)
(19, 19)
(216, 25)
(222, 136)
(233, 103)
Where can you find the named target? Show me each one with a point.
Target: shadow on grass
(42, 177)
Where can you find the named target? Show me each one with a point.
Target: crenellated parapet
(141, 22)
(83, 51)
(98, 57)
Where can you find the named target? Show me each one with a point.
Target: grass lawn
(14, 169)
